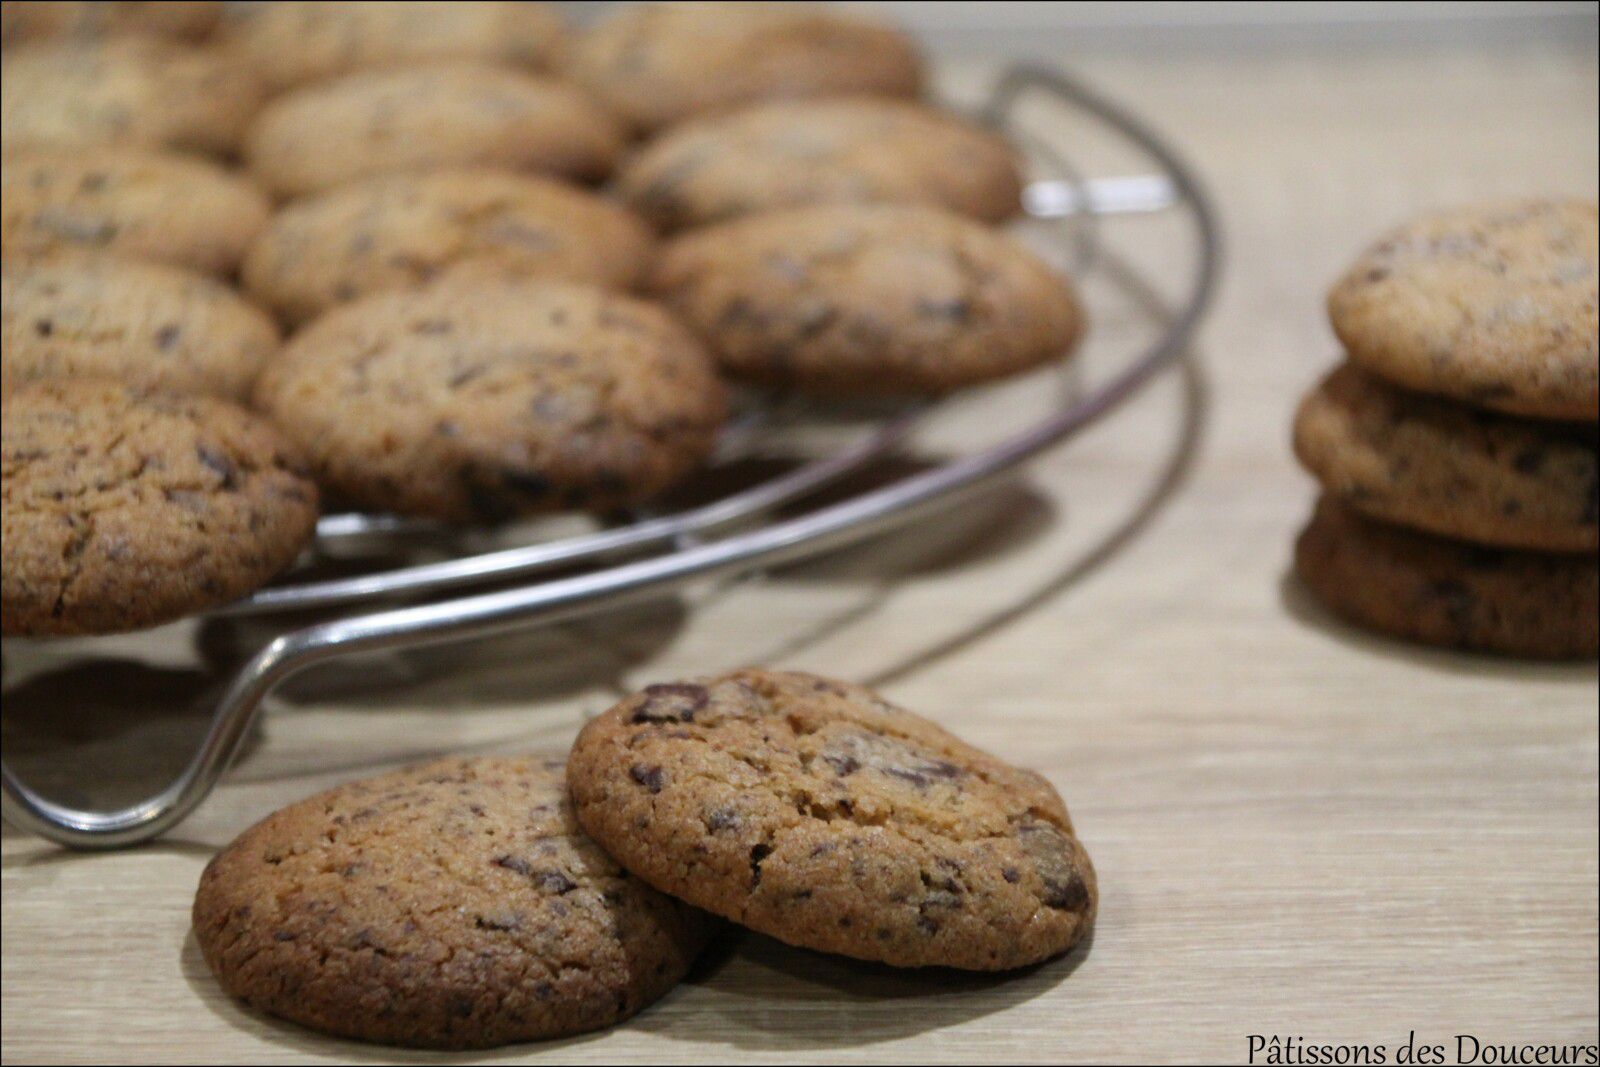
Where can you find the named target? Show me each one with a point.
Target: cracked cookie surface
(1493, 305)
(1440, 592)
(791, 154)
(818, 813)
(1450, 469)
(403, 231)
(158, 206)
(494, 400)
(298, 41)
(868, 299)
(125, 91)
(71, 315)
(455, 904)
(423, 118)
(656, 64)
(124, 509)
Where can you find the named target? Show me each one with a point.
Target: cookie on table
(136, 92)
(868, 299)
(446, 115)
(1450, 593)
(455, 904)
(124, 509)
(1450, 469)
(818, 813)
(1493, 305)
(72, 315)
(489, 401)
(850, 150)
(293, 42)
(144, 205)
(402, 231)
(657, 64)
(33, 20)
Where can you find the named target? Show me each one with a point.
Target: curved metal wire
(486, 614)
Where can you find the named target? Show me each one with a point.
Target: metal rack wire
(719, 538)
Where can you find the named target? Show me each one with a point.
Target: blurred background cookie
(656, 64)
(403, 231)
(1442, 592)
(851, 150)
(868, 299)
(126, 91)
(1453, 470)
(293, 42)
(1493, 305)
(485, 402)
(33, 20)
(137, 204)
(75, 315)
(126, 508)
(447, 115)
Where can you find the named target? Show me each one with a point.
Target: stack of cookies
(455, 261)
(475, 902)
(1457, 445)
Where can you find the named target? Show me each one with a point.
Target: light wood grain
(1298, 829)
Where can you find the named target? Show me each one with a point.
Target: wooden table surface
(1299, 830)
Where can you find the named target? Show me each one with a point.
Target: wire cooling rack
(554, 579)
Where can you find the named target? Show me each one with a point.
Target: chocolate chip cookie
(403, 231)
(656, 64)
(1493, 305)
(446, 115)
(454, 904)
(818, 813)
(850, 150)
(143, 205)
(35, 20)
(123, 509)
(1450, 469)
(1450, 593)
(293, 42)
(863, 299)
(489, 401)
(137, 92)
(72, 315)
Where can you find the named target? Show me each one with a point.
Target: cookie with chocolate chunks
(1436, 591)
(486, 401)
(818, 813)
(73, 315)
(405, 230)
(657, 64)
(1493, 305)
(796, 153)
(124, 509)
(157, 206)
(454, 904)
(868, 299)
(1447, 468)
(453, 114)
(295, 42)
(131, 92)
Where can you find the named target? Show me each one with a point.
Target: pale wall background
(1037, 29)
